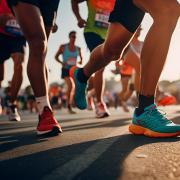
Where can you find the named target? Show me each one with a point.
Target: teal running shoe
(153, 123)
(80, 90)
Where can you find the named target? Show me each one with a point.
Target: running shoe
(48, 125)
(153, 123)
(80, 90)
(13, 114)
(101, 110)
(69, 107)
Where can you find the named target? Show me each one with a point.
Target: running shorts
(64, 73)
(92, 40)
(127, 14)
(10, 45)
(48, 8)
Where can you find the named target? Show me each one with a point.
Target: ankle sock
(81, 76)
(144, 101)
(42, 102)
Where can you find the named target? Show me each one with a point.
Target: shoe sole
(54, 132)
(103, 116)
(17, 120)
(138, 130)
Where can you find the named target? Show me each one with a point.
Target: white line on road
(73, 167)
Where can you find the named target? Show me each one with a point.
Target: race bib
(103, 10)
(71, 61)
(101, 19)
(13, 28)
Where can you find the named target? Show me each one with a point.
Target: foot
(48, 125)
(124, 106)
(80, 90)
(153, 123)
(91, 105)
(13, 114)
(71, 111)
(101, 110)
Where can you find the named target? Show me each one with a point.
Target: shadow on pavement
(107, 164)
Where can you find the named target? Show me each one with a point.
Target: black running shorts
(93, 40)
(10, 45)
(127, 14)
(64, 73)
(48, 8)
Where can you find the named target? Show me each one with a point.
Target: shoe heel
(136, 129)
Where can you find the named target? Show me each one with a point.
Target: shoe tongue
(151, 107)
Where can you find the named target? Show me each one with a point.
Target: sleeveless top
(98, 16)
(70, 57)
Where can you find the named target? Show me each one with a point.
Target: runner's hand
(81, 23)
(54, 28)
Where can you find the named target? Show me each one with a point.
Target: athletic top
(136, 48)
(98, 16)
(12, 28)
(70, 57)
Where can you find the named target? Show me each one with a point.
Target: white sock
(42, 102)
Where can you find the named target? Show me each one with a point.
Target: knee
(37, 45)
(111, 53)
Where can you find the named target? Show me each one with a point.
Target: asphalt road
(88, 149)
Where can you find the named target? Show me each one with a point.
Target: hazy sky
(67, 22)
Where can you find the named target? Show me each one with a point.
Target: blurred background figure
(70, 53)
(95, 29)
(129, 69)
(12, 44)
(164, 98)
(30, 100)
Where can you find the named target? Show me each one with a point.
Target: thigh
(154, 6)
(30, 19)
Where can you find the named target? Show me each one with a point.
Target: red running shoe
(48, 125)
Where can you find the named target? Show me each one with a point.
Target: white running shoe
(101, 111)
(13, 113)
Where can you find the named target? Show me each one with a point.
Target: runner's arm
(58, 53)
(80, 55)
(75, 9)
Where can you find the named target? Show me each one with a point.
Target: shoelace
(160, 114)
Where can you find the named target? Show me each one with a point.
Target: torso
(70, 55)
